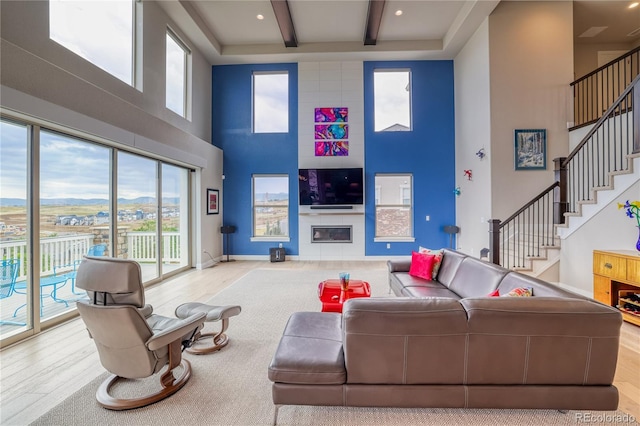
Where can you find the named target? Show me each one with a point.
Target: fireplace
(331, 234)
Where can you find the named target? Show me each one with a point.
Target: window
(270, 102)
(177, 74)
(394, 206)
(67, 179)
(270, 206)
(392, 100)
(99, 31)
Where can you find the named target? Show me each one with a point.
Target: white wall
(42, 79)
(531, 63)
(610, 229)
(330, 84)
(473, 132)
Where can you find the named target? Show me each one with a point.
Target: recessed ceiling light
(634, 4)
(260, 17)
(398, 12)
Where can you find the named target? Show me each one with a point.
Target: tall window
(69, 182)
(270, 102)
(392, 100)
(102, 32)
(270, 206)
(177, 74)
(394, 206)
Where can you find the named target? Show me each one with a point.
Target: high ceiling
(228, 31)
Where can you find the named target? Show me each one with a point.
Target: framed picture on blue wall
(530, 149)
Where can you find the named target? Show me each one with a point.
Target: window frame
(253, 101)
(186, 95)
(410, 106)
(411, 206)
(135, 72)
(255, 205)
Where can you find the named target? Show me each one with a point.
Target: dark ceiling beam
(374, 17)
(285, 22)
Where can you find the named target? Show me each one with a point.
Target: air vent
(634, 32)
(593, 31)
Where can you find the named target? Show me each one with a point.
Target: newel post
(494, 241)
(636, 117)
(560, 195)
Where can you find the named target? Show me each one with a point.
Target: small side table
(329, 293)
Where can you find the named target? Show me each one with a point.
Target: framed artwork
(332, 148)
(530, 148)
(213, 201)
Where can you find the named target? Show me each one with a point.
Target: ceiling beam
(374, 17)
(285, 22)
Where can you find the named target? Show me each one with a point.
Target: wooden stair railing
(603, 152)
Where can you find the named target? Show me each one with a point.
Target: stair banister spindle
(560, 201)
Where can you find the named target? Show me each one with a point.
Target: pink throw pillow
(439, 254)
(495, 293)
(422, 265)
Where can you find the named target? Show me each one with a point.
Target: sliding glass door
(14, 160)
(175, 220)
(63, 197)
(138, 212)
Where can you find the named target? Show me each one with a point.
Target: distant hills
(19, 202)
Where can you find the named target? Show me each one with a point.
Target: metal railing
(597, 91)
(525, 233)
(58, 251)
(603, 152)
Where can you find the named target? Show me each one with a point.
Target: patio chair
(130, 345)
(97, 250)
(9, 269)
(70, 270)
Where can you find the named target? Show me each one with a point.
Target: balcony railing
(141, 247)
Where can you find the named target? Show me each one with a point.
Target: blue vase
(638, 243)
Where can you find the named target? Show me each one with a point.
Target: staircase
(603, 165)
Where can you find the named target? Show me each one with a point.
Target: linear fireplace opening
(331, 234)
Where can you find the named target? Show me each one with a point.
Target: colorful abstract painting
(332, 131)
(332, 115)
(332, 148)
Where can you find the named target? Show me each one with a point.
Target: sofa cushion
(404, 340)
(451, 261)
(425, 291)
(422, 265)
(310, 350)
(541, 341)
(540, 288)
(476, 278)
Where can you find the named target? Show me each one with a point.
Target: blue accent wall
(427, 152)
(247, 153)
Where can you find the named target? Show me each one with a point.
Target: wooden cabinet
(616, 275)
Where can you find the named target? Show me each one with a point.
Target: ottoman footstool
(214, 313)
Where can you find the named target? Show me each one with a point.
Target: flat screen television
(331, 187)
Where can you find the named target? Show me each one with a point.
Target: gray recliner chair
(132, 341)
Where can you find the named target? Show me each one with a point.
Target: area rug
(231, 387)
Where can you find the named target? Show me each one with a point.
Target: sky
(71, 168)
(392, 99)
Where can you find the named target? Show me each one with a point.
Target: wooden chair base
(219, 341)
(170, 385)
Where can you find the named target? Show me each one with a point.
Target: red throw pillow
(422, 265)
(495, 293)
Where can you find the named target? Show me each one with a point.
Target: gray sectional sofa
(445, 344)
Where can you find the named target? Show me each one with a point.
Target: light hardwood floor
(37, 374)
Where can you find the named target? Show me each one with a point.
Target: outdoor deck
(52, 308)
